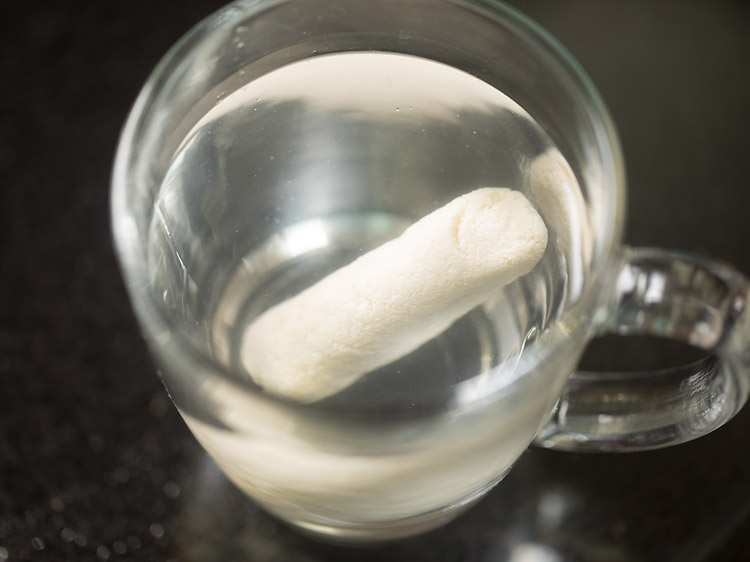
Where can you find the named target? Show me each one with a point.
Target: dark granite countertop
(95, 463)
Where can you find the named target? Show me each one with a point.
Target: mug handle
(673, 295)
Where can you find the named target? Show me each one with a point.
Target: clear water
(300, 171)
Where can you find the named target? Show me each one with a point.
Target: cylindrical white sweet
(396, 297)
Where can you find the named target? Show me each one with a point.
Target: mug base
(365, 534)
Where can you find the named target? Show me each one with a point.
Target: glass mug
(280, 139)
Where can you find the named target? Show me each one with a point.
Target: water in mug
(293, 175)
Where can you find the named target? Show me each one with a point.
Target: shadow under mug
(224, 203)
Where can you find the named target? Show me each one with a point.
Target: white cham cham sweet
(393, 299)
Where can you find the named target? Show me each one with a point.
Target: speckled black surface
(95, 463)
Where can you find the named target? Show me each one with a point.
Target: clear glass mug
(280, 139)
